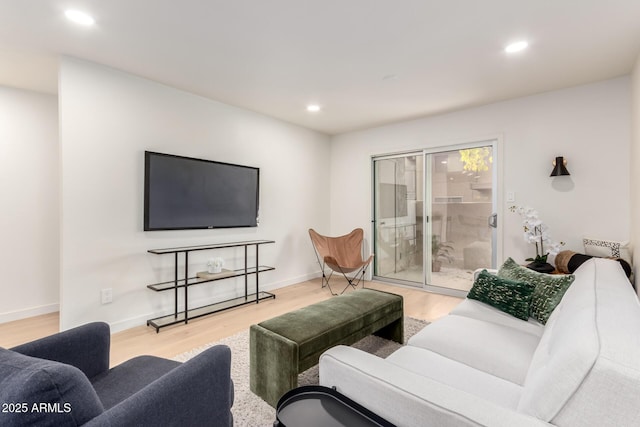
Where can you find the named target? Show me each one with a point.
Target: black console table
(186, 282)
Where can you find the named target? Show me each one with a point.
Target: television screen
(186, 193)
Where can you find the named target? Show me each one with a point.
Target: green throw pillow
(510, 296)
(549, 288)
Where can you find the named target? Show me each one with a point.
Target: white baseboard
(132, 322)
(290, 281)
(28, 312)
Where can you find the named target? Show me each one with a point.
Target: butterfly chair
(341, 254)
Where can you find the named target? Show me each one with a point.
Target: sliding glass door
(398, 218)
(434, 217)
(461, 210)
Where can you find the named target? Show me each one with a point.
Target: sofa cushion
(481, 311)
(455, 374)
(549, 288)
(506, 295)
(495, 349)
(52, 393)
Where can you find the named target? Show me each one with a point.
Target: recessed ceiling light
(313, 108)
(516, 47)
(79, 17)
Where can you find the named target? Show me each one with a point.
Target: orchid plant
(535, 231)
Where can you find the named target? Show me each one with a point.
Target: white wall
(108, 119)
(635, 171)
(29, 193)
(588, 125)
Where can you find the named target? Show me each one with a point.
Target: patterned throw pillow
(549, 288)
(607, 248)
(510, 296)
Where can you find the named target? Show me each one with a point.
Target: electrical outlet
(106, 295)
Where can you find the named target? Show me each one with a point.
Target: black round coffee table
(318, 406)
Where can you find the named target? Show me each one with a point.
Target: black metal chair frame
(357, 278)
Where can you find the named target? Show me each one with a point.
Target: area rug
(250, 410)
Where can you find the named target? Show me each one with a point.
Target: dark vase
(541, 267)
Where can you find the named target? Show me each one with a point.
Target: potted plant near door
(440, 251)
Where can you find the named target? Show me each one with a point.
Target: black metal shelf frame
(186, 282)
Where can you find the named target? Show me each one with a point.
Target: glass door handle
(493, 220)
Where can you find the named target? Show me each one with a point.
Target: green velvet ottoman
(286, 345)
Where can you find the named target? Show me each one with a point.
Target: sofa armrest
(86, 347)
(408, 399)
(199, 392)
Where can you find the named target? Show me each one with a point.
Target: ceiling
(365, 62)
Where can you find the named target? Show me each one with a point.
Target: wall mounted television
(182, 193)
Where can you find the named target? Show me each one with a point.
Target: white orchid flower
(536, 232)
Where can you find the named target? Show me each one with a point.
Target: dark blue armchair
(65, 380)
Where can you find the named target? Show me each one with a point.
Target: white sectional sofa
(480, 366)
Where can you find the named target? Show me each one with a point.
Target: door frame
(496, 142)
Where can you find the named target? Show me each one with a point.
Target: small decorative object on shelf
(535, 231)
(214, 265)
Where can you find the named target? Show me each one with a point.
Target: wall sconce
(559, 167)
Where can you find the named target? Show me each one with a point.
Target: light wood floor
(177, 339)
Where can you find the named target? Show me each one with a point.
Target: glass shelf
(210, 246)
(174, 319)
(166, 286)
